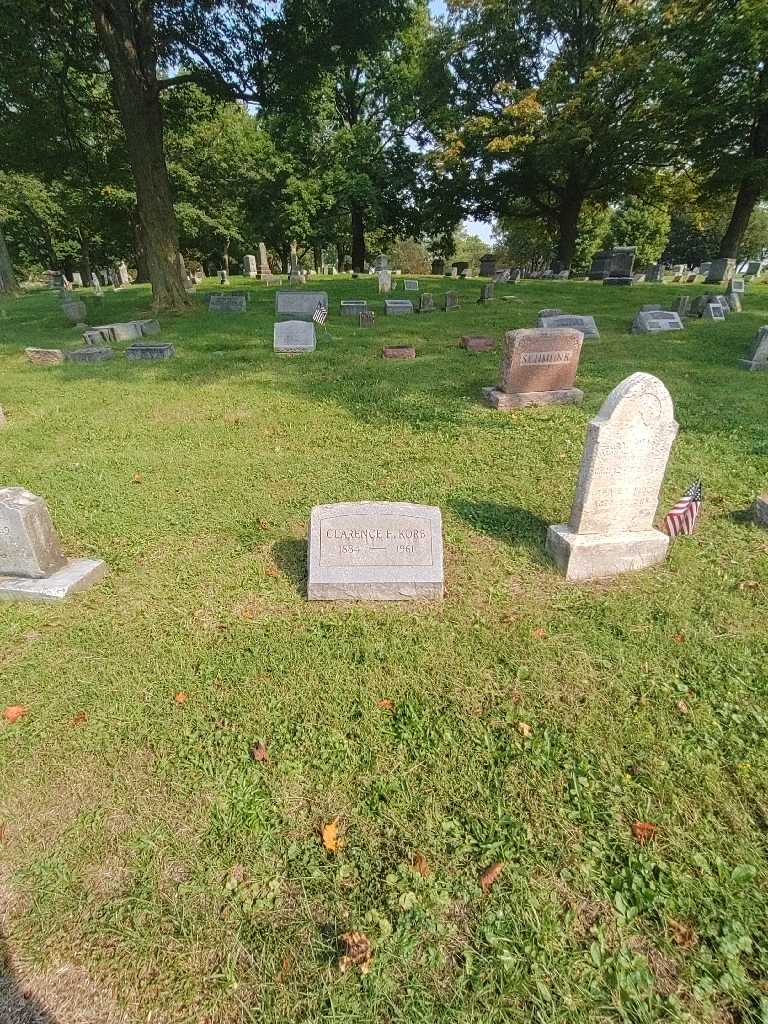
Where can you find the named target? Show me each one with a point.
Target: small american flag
(321, 314)
(682, 518)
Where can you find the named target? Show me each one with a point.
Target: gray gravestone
(450, 301)
(426, 303)
(486, 292)
(682, 306)
(720, 270)
(398, 307)
(757, 358)
(736, 286)
(354, 307)
(299, 305)
(375, 551)
(122, 273)
(734, 302)
(250, 268)
(294, 336)
(75, 310)
(89, 354)
(585, 324)
(385, 281)
(146, 351)
(654, 272)
(713, 311)
(263, 264)
(617, 493)
(654, 321)
(410, 285)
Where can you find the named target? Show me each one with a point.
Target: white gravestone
(32, 564)
(653, 321)
(713, 311)
(294, 336)
(385, 282)
(375, 551)
(617, 493)
(249, 266)
(299, 305)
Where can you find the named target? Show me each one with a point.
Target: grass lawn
(152, 868)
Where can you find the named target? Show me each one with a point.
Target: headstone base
(753, 364)
(89, 354)
(627, 281)
(79, 574)
(761, 510)
(498, 399)
(150, 352)
(584, 556)
(375, 592)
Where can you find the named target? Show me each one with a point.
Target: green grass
(146, 846)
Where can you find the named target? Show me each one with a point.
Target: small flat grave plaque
(399, 352)
(294, 337)
(478, 343)
(228, 302)
(585, 324)
(398, 307)
(655, 321)
(89, 354)
(354, 307)
(375, 551)
(410, 285)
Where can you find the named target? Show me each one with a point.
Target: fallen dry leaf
(539, 633)
(679, 638)
(419, 862)
(2, 831)
(259, 752)
(524, 729)
(749, 585)
(682, 707)
(137, 478)
(237, 874)
(490, 875)
(181, 697)
(13, 713)
(682, 933)
(332, 841)
(264, 524)
(358, 954)
(80, 718)
(271, 571)
(385, 704)
(643, 831)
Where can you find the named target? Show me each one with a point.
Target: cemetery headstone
(299, 305)
(398, 307)
(734, 301)
(223, 278)
(713, 311)
(438, 268)
(585, 324)
(33, 566)
(654, 272)
(502, 276)
(354, 307)
(487, 265)
(263, 264)
(549, 312)
(398, 352)
(486, 293)
(704, 269)
(654, 321)
(385, 282)
(381, 262)
(250, 268)
(757, 357)
(142, 350)
(75, 310)
(454, 271)
(617, 493)
(477, 343)
(754, 268)
(538, 368)
(77, 279)
(227, 302)
(760, 512)
(123, 276)
(426, 303)
(736, 286)
(691, 279)
(720, 270)
(410, 285)
(627, 281)
(450, 301)
(375, 551)
(294, 336)
(367, 319)
(44, 356)
(89, 354)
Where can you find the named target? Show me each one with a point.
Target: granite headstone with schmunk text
(538, 368)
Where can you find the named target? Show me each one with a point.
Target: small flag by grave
(682, 518)
(320, 315)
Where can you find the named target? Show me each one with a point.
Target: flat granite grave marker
(375, 551)
(398, 352)
(44, 356)
(75, 310)
(397, 307)
(89, 354)
(617, 492)
(450, 301)
(33, 566)
(585, 324)
(353, 307)
(426, 303)
(410, 285)
(538, 368)
(296, 305)
(147, 351)
(757, 358)
(713, 311)
(486, 292)
(760, 511)
(228, 302)
(294, 336)
(654, 321)
(477, 343)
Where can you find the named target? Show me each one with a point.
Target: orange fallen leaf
(490, 875)
(682, 707)
(13, 713)
(332, 841)
(679, 638)
(137, 478)
(80, 718)
(358, 954)
(259, 752)
(643, 831)
(181, 697)
(419, 862)
(385, 704)
(524, 729)
(539, 633)
(271, 571)
(682, 933)
(749, 585)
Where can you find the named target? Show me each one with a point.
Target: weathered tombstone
(122, 273)
(517, 276)
(704, 269)
(32, 564)
(502, 275)
(713, 311)
(294, 336)
(223, 278)
(227, 302)
(682, 306)
(55, 279)
(538, 368)
(450, 301)
(736, 286)
(367, 319)
(563, 275)
(438, 267)
(721, 270)
(601, 265)
(44, 356)
(381, 262)
(198, 275)
(654, 321)
(410, 285)
(757, 357)
(89, 354)
(263, 264)
(75, 310)
(77, 279)
(426, 303)
(486, 293)
(734, 301)
(250, 268)
(487, 265)
(353, 307)
(754, 268)
(299, 305)
(760, 511)
(585, 324)
(477, 343)
(617, 493)
(398, 352)
(654, 272)
(375, 551)
(96, 285)
(385, 282)
(146, 351)
(454, 271)
(398, 307)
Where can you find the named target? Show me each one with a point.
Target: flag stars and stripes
(682, 518)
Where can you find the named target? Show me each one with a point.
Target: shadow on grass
(510, 523)
(291, 558)
(17, 1004)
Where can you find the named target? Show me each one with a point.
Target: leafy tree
(644, 224)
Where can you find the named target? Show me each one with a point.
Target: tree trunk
(317, 257)
(85, 260)
(225, 256)
(8, 282)
(284, 264)
(126, 31)
(358, 238)
(142, 267)
(568, 227)
(340, 257)
(746, 201)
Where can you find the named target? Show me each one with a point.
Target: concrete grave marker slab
(486, 292)
(426, 303)
(385, 282)
(654, 321)
(250, 268)
(477, 343)
(410, 285)
(757, 357)
(353, 307)
(713, 311)
(44, 356)
(75, 311)
(760, 511)
(617, 493)
(89, 354)
(398, 307)
(721, 270)
(398, 352)
(146, 351)
(228, 302)
(450, 301)
(297, 305)
(585, 324)
(375, 551)
(294, 336)
(538, 368)
(734, 301)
